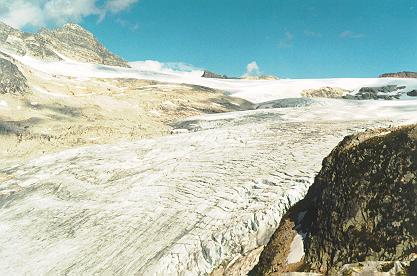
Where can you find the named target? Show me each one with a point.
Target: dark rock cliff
(362, 206)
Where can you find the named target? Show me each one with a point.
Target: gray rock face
(363, 203)
(376, 93)
(71, 41)
(12, 81)
(404, 74)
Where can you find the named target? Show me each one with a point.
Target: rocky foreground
(361, 209)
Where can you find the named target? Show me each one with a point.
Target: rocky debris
(71, 41)
(376, 93)
(325, 92)
(404, 74)
(12, 81)
(376, 268)
(211, 75)
(362, 207)
(412, 93)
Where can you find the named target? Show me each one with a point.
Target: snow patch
(297, 250)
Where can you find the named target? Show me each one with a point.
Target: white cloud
(252, 69)
(350, 34)
(62, 11)
(119, 5)
(21, 13)
(160, 67)
(286, 42)
(39, 13)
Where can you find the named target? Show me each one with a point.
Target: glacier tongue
(176, 205)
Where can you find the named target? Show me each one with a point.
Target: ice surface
(175, 205)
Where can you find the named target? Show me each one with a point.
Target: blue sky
(288, 38)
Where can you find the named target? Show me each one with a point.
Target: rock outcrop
(71, 41)
(12, 81)
(362, 207)
(211, 75)
(377, 93)
(325, 92)
(404, 74)
(412, 93)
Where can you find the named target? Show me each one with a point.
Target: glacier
(176, 205)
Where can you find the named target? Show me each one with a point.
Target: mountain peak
(71, 40)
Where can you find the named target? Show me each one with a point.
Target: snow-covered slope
(176, 205)
(256, 91)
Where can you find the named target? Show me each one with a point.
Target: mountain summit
(70, 41)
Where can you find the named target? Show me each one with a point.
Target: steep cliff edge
(362, 207)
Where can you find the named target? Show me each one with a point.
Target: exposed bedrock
(325, 92)
(362, 207)
(387, 92)
(12, 81)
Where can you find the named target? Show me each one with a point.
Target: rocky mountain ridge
(403, 74)
(70, 41)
